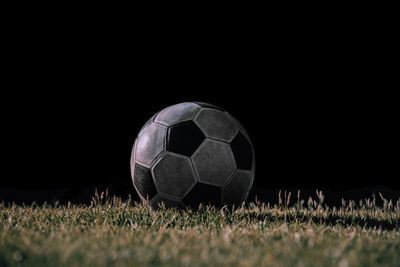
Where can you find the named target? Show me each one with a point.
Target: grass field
(112, 232)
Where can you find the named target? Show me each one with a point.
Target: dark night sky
(319, 114)
(330, 138)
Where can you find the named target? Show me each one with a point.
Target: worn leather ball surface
(192, 153)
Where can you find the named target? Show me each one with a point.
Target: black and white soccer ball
(192, 153)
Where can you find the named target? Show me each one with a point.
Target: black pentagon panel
(203, 193)
(242, 151)
(143, 182)
(236, 190)
(216, 124)
(177, 113)
(207, 105)
(150, 143)
(184, 138)
(159, 200)
(174, 175)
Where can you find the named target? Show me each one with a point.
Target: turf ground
(110, 232)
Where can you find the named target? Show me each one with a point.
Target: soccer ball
(192, 153)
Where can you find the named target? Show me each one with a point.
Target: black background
(316, 103)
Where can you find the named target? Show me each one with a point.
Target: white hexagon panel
(214, 162)
(173, 175)
(150, 143)
(216, 124)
